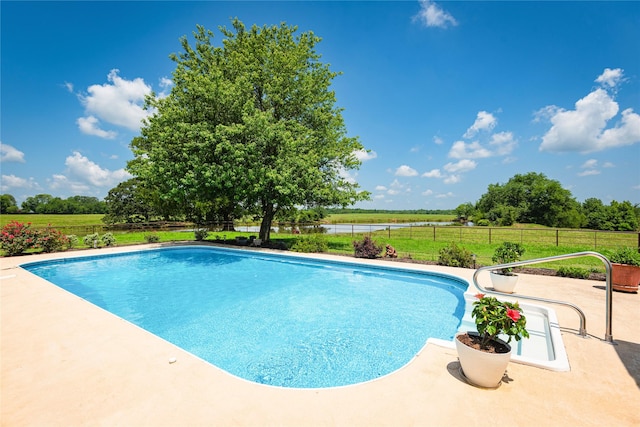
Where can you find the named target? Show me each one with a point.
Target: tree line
(533, 198)
(48, 204)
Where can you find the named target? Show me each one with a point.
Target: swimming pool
(267, 318)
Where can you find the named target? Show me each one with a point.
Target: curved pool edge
(369, 264)
(559, 362)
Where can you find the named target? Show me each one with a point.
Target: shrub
(72, 240)
(507, 252)
(483, 222)
(573, 272)
(453, 255)
(16, 238)
(366, 248)
(152, 238)
(201, 233)
(108, 239)
(89, 239)
(626, 255)
(51, 240)
(312, 243)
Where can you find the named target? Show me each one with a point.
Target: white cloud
(484, 122)
(591, 163)
(165, 84)
(432, 15)
(379, 196)
(10, 154)
(471, 150)
(427, 192)
(610, 78)
(118, 102)
(503, 142)
(585, 128)
(589, 172)
(608, 165)
(452, 179)
(69, 86)
(437, 140)
(461, 166)
(364, 155)
(433, 173)
(10, 182)
(393, 192)
(381, 188)
(405, 170)
(90, 126)
(84, 171)
(445, 195)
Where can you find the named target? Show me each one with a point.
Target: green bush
(152, 238)
(311, 243)
(201, 233)
(573, 272)
(367, 248)
(89, 239)
(108, 239)
(507, 252)
(453, 255)
(72, 240)
(629, 256)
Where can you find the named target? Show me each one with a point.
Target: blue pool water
(267, 318)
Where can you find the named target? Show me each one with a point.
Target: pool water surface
(272, 319)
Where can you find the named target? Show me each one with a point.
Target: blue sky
(449, 97)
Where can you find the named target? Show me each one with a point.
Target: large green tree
(250, 126)
(531, 198)
(8, 204)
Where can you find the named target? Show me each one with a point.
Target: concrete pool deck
(66, 362)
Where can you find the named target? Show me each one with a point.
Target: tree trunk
(265, 225)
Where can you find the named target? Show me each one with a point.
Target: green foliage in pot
(625, 255)
(505, 253)
(494, 317)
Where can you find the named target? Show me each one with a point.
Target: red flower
(513, 314)
(479, 296)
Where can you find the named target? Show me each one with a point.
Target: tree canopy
(535, 199)
(530, 198)
(250, 126)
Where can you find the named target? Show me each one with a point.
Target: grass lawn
(418, 243)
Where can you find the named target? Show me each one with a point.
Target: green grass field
(418, 242)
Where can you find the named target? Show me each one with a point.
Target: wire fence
(594, 239)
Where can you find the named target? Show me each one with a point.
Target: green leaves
(494, 317)
(249, 127)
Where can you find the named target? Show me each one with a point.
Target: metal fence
(593, 239)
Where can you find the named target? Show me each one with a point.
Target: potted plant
(625, 276)
(504, 280)
(483, 356)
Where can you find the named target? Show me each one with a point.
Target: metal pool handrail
(608, 298)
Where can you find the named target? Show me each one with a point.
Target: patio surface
(66, 362)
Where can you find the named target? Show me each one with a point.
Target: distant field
(44, 220)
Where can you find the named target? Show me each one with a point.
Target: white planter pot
(504, 283)
(481, 368)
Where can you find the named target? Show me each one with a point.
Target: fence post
(434, 233)
(490, 235)
(390, 230)
(557, 231)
